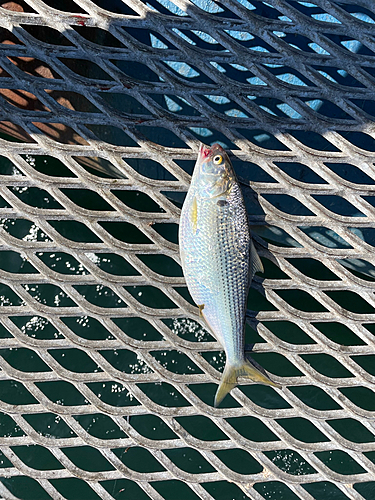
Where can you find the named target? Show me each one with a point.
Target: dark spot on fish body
(222, 203)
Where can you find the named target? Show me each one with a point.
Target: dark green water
(114, 393)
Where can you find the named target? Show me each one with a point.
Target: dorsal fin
(256, 265)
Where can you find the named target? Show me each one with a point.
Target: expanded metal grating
(107, 375)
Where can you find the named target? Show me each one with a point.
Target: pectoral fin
(194, 215)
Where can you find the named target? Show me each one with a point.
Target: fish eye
(218, 159)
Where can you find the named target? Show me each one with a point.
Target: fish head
(213, 171)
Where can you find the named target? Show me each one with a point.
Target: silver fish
(219, 260)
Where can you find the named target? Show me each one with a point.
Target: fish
(219, 260)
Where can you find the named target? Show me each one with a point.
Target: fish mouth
(206, 151)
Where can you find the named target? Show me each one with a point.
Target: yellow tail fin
(248, 370)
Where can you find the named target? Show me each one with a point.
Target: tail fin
(250, 369)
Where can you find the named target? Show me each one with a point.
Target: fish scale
(218, 259)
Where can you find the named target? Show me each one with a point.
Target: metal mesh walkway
(107, 376)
